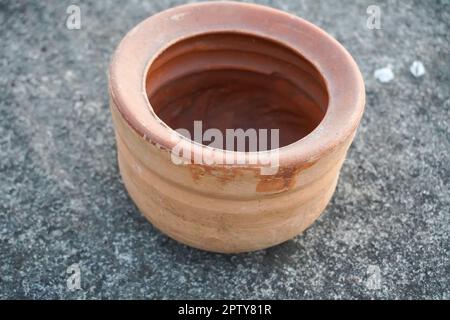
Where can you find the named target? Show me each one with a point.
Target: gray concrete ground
(384, 235)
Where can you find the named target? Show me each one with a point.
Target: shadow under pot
(232, 122)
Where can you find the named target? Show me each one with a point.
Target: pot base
(219, 228)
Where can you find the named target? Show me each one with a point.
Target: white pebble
(373, 277)
(384, 75)
(417, 69)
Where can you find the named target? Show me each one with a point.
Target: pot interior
(234, 80)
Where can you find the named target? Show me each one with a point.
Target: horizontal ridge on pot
(222, 64)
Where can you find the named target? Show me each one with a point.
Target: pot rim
(137, 51)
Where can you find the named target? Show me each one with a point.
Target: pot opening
(233, 80)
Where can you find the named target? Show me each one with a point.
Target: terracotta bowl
(232, 65)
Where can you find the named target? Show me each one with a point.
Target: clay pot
(232, 65)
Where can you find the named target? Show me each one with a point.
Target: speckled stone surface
(384, 235)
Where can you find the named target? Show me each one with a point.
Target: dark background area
(385, 233)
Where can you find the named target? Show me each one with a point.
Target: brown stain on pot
(283, 180)
(223, 174)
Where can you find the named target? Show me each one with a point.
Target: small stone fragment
(417, 69)
(374, 277)
(384, 75)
